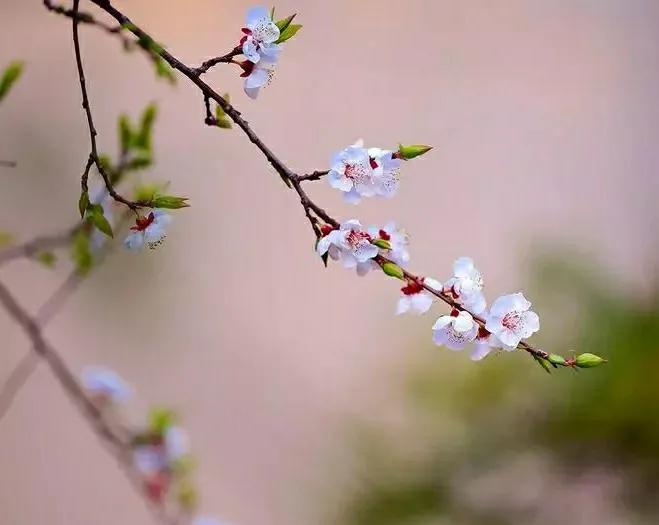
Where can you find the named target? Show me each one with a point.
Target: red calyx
(413, 287)
(455, 312)
(384, 235)
(483, 333)
(247, 68)
(373, 163)
(156, 486)
(142, 223)
(326, 229)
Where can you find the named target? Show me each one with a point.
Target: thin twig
(224, 59)
(8, 164)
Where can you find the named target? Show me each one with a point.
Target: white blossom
(455, 331)
(149, 230)
(352, 173)
(485, 343)
(386, 167)
(397, 238)
(466, 285)
(105, 384)
(260, 35)
(351, 245)
(258, 75)
(510, 319)
(415, 298)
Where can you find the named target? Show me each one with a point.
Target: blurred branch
(8, 164)
(116, 441)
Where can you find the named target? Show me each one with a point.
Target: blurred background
(306, 399)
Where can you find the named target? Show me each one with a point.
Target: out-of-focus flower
(510, 319)
(205, 520)
(454, 331)
(177, 444)
(149, 230)
(415, 298)
(105, 384)
(466, 285)
(386, 166)
(352, 245)
(352, 173)
(260, 35)
(398, 241)
(258, 75)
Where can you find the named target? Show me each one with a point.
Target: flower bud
(393, 270)
(413, 150)
(556, 360)
(588, 361)
(381, 243)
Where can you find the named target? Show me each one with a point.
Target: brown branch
(8, 164)
(316, 175)
(133, 205)
(224, 59)
(293, 180)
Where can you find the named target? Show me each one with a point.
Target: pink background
(545, 122)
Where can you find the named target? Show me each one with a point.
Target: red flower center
(384, 235)
(142, 223)
(511, 320)
(413, 287)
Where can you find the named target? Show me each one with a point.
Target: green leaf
(223, 123)
(543, 363)
(48, 259)
(10, 75)
(147, 192)
(144, 138)
(125, 133)
(141, 159)
(81, 253)
(83, 203)
(412, 150)
(95, 215)
(285, 22)
(169, 202)
(163, 70)
(160, 419)
(289, 33)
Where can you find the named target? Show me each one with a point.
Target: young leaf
(95, 214)
(285, 22)
(81, 253)
(289, 33)
(144, 138)
(10, 75)
(48, 259)
(83, 203)
(125, 133)
(169, 202)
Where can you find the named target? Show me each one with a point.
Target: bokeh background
(306, 399)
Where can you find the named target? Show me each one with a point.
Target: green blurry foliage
(9, 77)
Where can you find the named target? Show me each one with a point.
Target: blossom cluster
(503, 326)
(160, 449)
(261, 45)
